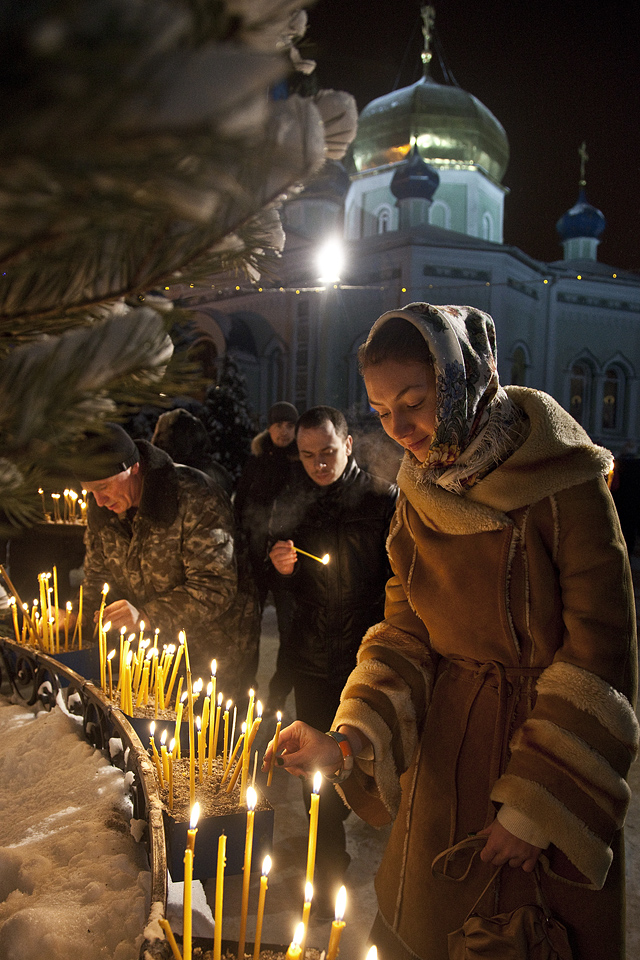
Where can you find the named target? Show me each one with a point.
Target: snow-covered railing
(37, 677)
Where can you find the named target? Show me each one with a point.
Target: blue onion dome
(331, 182)
(582, 220)
(414, 178)
(451, 129)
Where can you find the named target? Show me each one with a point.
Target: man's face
(282, 433)
(323, 454)
(119, 492)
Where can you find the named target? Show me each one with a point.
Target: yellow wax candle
(200, 738)
(294, 952)
(213, 734)
(324, 560)
(154, 749)
(105, 591)
(176, 664)
(25, 616)
(256, 724)
(313, 827)
(225, 739)
(213, 692)
(164, 755)
(179, 695)
(44, 508)
(79, 620)
(337, 925)
(14, 613)
(171, 749)
(217, 936)
(232, 781)
(103, 654)
(186, 905)
(276, 737)
(141, 635)
(67, 619)
(144, 685)
(192, 751)
(193, 823)
(183, 639)
(109, 659)
(178, 725)
(266, 866)
(206, 714)
(306, 910)
(166, 926)
(55, 605)
(252, 799)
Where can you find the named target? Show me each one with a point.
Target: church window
(611, 399)
(440, 215)
(487, 226)
(384, 220)
(580, 383)
(519, 367)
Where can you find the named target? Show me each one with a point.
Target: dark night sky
(554, 73)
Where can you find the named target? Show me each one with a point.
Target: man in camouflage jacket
(162, 536)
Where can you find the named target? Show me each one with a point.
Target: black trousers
(316, 704)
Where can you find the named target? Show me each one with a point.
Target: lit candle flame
(252, 798)
(308, 892)
(373, 953)
(214, 667)
(341, 903)
(317, 780)
(298, 936)
(266, 864)
(195, 814)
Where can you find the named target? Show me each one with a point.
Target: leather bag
(530, 932)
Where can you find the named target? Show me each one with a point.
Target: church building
(419, 210)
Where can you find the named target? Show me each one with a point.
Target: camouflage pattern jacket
(176, 561)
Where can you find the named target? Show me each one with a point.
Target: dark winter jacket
(266, 473)
(335, 604)
(176, 561)
(185, 439)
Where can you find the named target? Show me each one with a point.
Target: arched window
(383, 220)
(580, 393)
(440, 215)
(519, 367)
(612, 398)
(487, 226)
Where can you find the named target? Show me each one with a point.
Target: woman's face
(404, 397)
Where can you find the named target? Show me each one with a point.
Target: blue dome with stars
(582, 220)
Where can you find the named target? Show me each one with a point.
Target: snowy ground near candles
(74, 885)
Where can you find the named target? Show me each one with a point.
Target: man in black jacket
(265, 474)
(332, 507)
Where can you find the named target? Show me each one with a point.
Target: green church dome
(451, 129)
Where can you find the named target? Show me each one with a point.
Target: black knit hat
(108, 453)
(282, 411)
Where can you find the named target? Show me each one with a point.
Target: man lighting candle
(162, 535)
(332, 507)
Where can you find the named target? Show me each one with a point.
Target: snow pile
(74, 885)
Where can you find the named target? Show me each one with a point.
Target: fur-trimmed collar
(263, 444)
(159, 501)
(556, 454)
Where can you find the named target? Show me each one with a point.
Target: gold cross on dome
(584, 156)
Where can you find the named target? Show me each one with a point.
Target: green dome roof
(450, 127)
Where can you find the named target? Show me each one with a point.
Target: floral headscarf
(476, 424)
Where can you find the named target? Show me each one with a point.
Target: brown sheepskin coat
(503, 677)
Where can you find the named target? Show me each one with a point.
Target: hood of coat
(159, 500)
(556, 454)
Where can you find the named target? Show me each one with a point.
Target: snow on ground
(74, 885)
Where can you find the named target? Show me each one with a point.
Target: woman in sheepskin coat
(496, 697)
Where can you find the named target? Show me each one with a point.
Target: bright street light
(330, 261)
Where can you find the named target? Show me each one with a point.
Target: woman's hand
(283, 557)
(503, 847)
(302, 750)
(121, 613)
